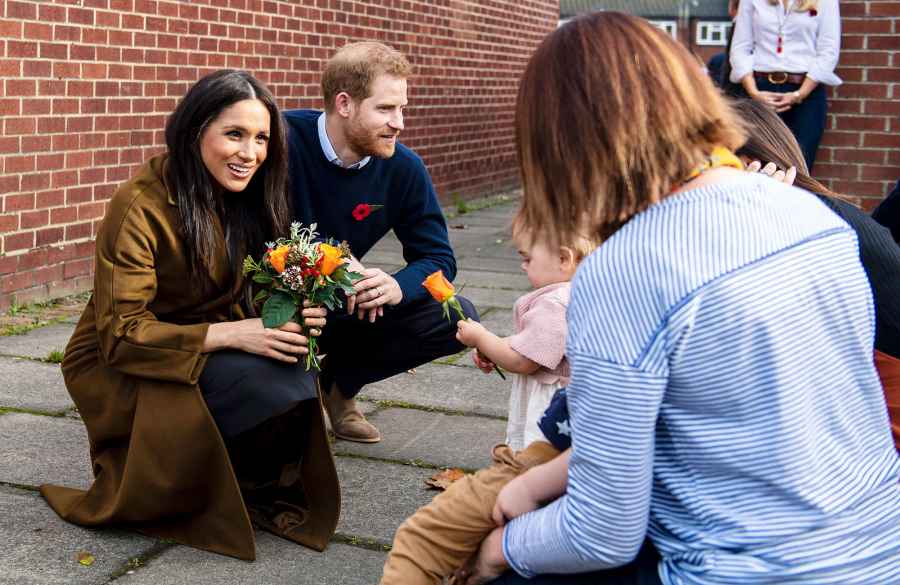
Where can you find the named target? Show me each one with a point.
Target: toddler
(442, 535)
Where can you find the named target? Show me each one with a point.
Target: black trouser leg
(360, 352)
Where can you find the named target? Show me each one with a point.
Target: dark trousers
(806, 121)
(643, 570)
(359, 352)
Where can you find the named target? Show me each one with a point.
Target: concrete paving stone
(488, 253)
(42, 549)
(484, 279)
(442, 386)
(493, 265)
(378, 259)
(477, 219)
(278, 562)
(464, 229)
(33, 385)
(376, 497)
(499, 321)
(435, 438)
(38, 449)
(484, 298)
(37, 343)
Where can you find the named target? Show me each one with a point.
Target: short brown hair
(356, 65)
(611, 115)
(769, 140)
(582, 244)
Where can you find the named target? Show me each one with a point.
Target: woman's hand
(785, 101)
(770, 98)
(284, 344)
(514, 500)
(485, 565)
(773, 171)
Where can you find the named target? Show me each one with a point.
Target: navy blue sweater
(326, 194)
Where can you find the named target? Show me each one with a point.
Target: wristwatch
(797, 97)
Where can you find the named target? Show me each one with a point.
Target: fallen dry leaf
(85, 558)
(442, 479)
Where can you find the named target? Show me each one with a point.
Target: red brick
(884, 9)
(49, 198)
(861, 123)
(16, 281)
(13, 126)
(63, 215)
(34, 219)
(875, 140)
(20, 164)
(884, 75)
(47, 274)
(49, 236)
(21, 10)
(66, 33)
(38, 31)
(35, 144)
(8, 264)
(76, 231)
(36, 68)
(77, 267)
(883, 43)
(18, 241)
(9, 222)
(879, 173)
(21, 87)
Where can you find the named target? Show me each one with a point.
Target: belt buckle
(780, 80)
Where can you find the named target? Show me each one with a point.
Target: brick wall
(87, 84)
(860, 152)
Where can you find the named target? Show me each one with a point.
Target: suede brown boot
(347, 421)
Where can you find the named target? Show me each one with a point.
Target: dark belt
(779, 77)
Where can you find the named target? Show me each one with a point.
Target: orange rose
(439, 287)
(330, 259)
(278, 257)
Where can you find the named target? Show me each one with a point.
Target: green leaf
(262, 278)
(278, 310)
(260, 296)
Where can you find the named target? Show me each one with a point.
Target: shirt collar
(328, 148)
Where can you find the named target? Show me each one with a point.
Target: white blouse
(811, 40)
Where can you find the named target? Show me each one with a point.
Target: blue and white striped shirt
(723, 401)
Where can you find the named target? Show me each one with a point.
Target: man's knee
(468, 308)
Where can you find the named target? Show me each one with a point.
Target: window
(713, 33)
(669, 26)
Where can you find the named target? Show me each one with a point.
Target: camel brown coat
(160, 465)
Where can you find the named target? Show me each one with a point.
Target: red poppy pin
(364, 210)
(813, 12)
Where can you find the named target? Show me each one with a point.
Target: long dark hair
(257, 215)
(770, 140)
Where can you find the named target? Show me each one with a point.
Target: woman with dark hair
(726, 418)
(189, 402)
(770, 140)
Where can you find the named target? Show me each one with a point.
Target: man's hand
(374, 290)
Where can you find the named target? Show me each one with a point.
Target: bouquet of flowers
(298, 269)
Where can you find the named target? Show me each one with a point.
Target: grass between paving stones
(135, 563)
(20, 486)
(359, 542)
(385, 404)
(52, 414)
(405, 462)
(463, 207)
(20, 319)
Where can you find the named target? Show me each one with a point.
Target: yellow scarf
(720, 157)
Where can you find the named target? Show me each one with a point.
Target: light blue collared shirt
(328, 149)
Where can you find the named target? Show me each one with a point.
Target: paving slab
(37, 449)
(41, 549)
(33, 385)
(434, 438)
(485, 298)
(448, 387)
(500, 320)
(494, 265)
(518, 282)
(37, 343)
(376, 497)
(278, 562)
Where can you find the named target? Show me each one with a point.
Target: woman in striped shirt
(726, 416)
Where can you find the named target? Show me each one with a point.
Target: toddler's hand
(482, 363)
(468, 332)
(513, 500)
